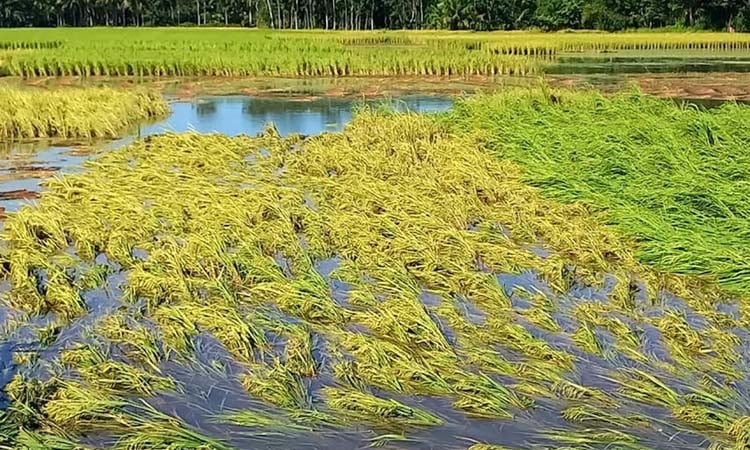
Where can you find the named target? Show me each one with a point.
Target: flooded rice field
(24, 166)
(394, 285)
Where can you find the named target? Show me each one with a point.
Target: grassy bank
(394, 284)
(236, 52)
(74, 113)
(671, 176)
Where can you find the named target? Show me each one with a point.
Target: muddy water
(24, 167)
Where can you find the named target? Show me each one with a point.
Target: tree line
(380, 14)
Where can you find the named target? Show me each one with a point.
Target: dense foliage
(671, 177)
(366, 14)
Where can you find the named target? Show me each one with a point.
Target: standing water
(24, 167)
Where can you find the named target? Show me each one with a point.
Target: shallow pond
(24, 167)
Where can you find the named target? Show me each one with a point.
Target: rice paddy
(396, 284)
(534, 269)
(155, 52)
(86, 113)
(671, 176)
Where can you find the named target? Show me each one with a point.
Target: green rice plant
(74, 407)
(251, 419)
(31, 440)
(591, 414)
(49, 333)
(62, 296)
(481, 396)
(94, 278)
(518, 338)
(150, 429)
(22, 358)
(308, 298)
(405, 321)
(83, 356)
(703, 418)
(139, 342)
(593, 438)
(541, 317)
(740, 430)
(239, 334)
(366, 407)
(393, 367)
(277, 385)
(664, 174)
(185, 52)
(120, 377)
(298, 352)
(232, 53)
(648, 388)
(573, 391)
(74, 113)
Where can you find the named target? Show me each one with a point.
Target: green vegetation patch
(671, 176)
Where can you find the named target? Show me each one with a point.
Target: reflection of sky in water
(245, 115)
(230, 115)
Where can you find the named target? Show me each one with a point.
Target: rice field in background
(395, 285)
(155, 52)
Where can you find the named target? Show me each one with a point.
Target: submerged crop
(393, 284)
(74, 113)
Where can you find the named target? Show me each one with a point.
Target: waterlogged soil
(24, 167)
(354, 88)
(392, 285)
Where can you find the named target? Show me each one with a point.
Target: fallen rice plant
(75, 113)
(437, 313)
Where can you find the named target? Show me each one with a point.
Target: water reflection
(232, 116)
(247, 115)
(568, 65)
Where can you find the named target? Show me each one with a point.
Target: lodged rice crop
(673, 176)
(158, 52)
(74, 113)
(392, 285)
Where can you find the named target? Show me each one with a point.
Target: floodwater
(24, 167)
(211, 386)
(635, 63)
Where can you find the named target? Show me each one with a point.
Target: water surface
(652, 62)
